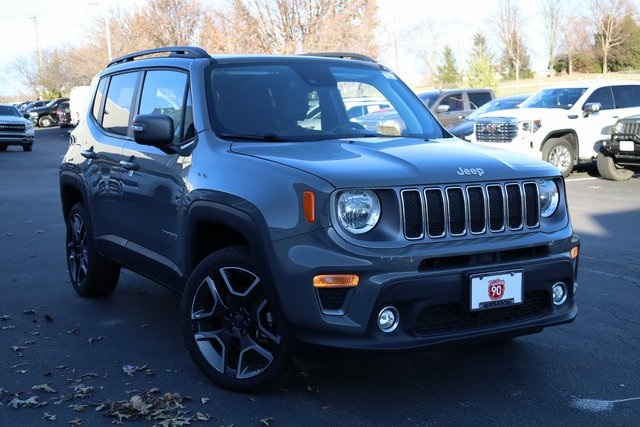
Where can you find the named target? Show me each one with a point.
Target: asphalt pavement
(66, 360)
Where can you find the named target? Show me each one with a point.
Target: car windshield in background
(563, 98)
(8, 110)
(311, 101)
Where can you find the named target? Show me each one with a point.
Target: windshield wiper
(268, 137)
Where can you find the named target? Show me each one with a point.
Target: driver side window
(164, 92)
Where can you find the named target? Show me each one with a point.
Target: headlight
(531, 126)
(549, 197)
(358, 210)
(28, 125)
(619, 127)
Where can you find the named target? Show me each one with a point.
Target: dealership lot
(78, 360)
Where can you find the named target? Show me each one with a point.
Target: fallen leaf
(75, 422)
(5, 317)
(43, 387)
(18, 348)
(74, 331)
(92, 339)
(49, 417)
(48, 318)
(29, 311)
(266, 421)
(204, 400)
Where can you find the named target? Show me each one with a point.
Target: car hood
(386, 162)
(13, 120)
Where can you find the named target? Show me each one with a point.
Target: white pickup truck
(562, 124)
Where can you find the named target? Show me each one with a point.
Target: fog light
(559, 291)
(388, 319)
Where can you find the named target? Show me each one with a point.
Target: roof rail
(344, 55)
(184, 51)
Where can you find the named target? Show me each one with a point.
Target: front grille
(451, 318)
(8, 127)
(496, 130)
(473, 209)
(631, 128)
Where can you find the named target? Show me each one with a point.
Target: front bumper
(431, 293)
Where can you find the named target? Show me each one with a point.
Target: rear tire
(91, 275)
(230, 328)
(559, 153)
(27, 147)
(45, 122)
(608, 169)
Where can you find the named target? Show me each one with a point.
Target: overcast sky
(63, 22)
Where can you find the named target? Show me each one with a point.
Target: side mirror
(442, 108)
(153, 129)
(591, 107)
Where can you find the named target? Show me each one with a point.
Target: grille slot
(496, 131)
(475, 209)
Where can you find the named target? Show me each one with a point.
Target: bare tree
(292, 26)
(577, 38)
(608, 16)
(509, 27)
(553, 14)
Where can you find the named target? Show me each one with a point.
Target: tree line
(606, 39)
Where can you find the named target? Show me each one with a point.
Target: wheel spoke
(252, 359)
(218, 310)
(239, 281)
(213, 347)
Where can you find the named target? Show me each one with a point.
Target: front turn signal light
(309, 206)
(336, 281)
(574, 252)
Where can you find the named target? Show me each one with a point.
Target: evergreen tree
(447, 72)
(481, 72)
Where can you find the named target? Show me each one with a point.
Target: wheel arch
(568, 134)
(71, 192)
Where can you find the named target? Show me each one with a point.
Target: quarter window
(117, 109)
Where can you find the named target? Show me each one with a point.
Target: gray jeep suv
(196, 171)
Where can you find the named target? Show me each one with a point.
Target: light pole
(106, 23)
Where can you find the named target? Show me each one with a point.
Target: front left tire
(230, 327)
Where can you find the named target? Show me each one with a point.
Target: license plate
(494, 290)
(626, 145)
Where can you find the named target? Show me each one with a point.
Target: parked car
(464, 128)
(448, 105)
(45, 116)
(15, 129)
(561, 124)
(284, 241)
(356, 107)
(452, 105)
(619, 156)
(33, 104)
(63, 114)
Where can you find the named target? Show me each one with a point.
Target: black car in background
(25, 109)
(464, 128)
(46, 116)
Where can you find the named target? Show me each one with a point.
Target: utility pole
(38, 61)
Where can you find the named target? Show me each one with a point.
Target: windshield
(8, 110)
(564, 98)
(302, 100)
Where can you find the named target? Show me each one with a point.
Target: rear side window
(164, 93)
(117, 108)
(626, 96)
